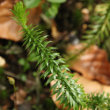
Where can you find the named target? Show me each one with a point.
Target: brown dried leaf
(18, 97)
(92, 64)
(89, 87)
(9, 29)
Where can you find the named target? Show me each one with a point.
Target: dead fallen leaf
(18, 97)
(89, 87)
(9, 29)
(92, 64)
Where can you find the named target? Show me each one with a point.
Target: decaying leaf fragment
(9, 29)
(92, 64)
(19, 97)
(89, 87)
